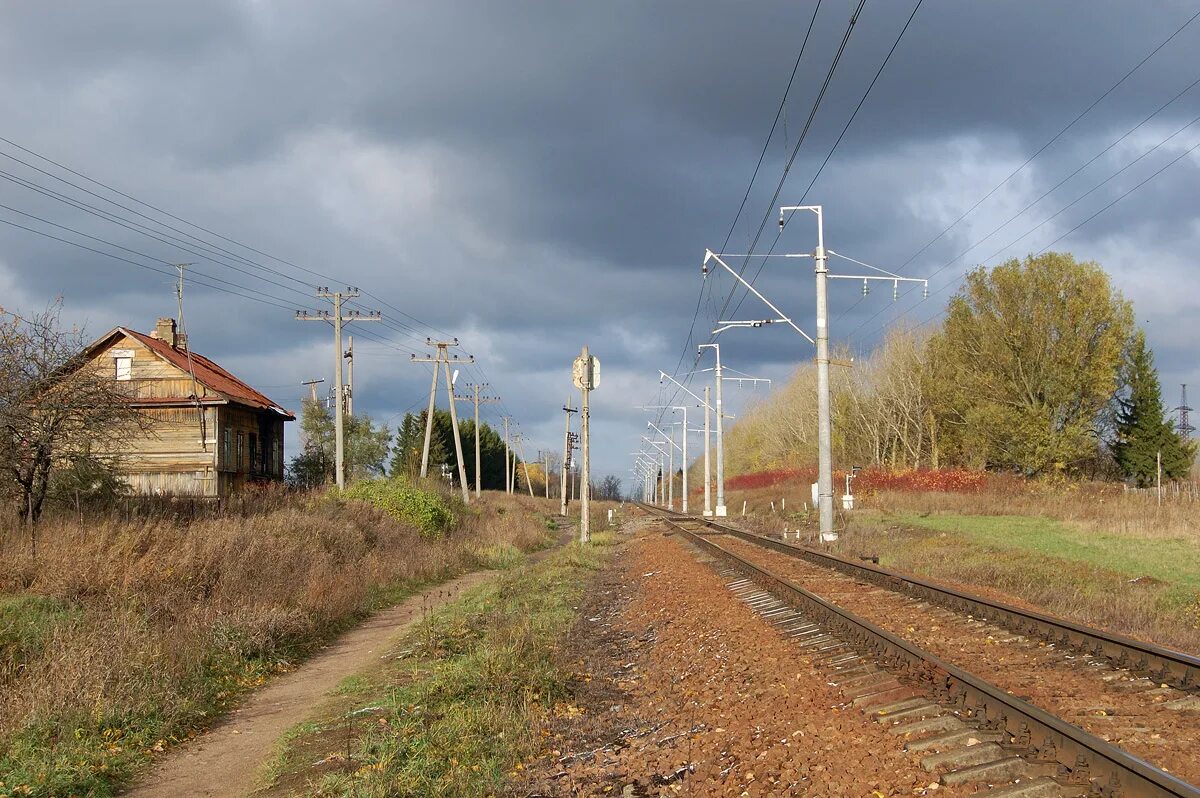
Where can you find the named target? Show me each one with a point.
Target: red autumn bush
(942, 480)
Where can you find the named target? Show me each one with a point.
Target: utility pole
(475, 389)
(683, 450)
(350, 375)
(525, 464)
(586, 374)
(507, 469)
(1183, 424)
(707, 405)
(707, 465)
(670, 438)
(338, 320)
(720, 509)
(516, 438)
(442, 356)
(312, 384)
(566, 461)
(820, 257)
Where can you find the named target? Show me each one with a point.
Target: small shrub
(405, 502)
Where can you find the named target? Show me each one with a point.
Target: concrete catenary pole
(720, 412)
(707, 458)
(824, 413)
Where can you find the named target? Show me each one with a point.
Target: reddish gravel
(1113, 705)
(687, 692)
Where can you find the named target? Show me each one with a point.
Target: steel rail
(1083, 760)
(1166, 666)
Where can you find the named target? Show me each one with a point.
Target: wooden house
(208, 433)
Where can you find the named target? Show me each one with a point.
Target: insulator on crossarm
(895, 290)
(866, 288)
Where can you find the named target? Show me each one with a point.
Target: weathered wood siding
(189, 450)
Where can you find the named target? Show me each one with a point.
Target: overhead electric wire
(1075, 201)
(210, 251)
(791, 160)
(137, 228)
(705, 286)
(1054, 138)
(135, 263)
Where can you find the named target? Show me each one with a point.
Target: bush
(945, 480)
(405, 502)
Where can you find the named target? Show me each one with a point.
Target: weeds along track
(990, 694)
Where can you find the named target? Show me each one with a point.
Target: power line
(1053, 139)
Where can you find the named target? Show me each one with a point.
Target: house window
(124, 367)
(227, 447)
(255, 465)
(241, 448)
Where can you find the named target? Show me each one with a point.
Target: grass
(457, 716)
(121, 639)
(1087, 551)
(1169, 560)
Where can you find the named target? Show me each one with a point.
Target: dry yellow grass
(119, 636)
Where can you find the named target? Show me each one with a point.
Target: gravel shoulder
(682, 689)
(1117, 706)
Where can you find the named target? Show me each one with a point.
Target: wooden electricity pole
(338, 320)
(443, 357)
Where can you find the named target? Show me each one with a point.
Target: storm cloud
(532, 176)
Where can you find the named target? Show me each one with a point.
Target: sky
(530, 177)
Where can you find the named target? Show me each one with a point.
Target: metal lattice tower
(1182, 426)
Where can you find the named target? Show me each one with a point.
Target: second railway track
(1116, 716)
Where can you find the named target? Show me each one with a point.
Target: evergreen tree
(1142, 430)
(406, 452)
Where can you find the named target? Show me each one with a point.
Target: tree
(366, 447)
(406, 450)
(1027, 358)
(56, 407)
(1142, 431)
(609, 489)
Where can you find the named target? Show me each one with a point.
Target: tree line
(1037, 368)
(373, 451)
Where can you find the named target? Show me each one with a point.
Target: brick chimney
(164, 330)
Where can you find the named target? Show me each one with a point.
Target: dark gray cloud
(531, 175)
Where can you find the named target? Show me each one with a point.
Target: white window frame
(123, 368)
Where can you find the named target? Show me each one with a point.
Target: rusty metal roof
(208, 373)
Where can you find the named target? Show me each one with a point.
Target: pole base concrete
(721, 511)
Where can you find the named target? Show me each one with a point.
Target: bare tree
(55, 406)
(610, 489)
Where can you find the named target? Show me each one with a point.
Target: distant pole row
(653, 490)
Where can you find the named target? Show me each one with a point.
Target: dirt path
(227, 760)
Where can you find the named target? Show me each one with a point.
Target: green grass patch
(1175, 561)
(459, 714)
(399, 498)
(26, 622)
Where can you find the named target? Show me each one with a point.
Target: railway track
(957, 704)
